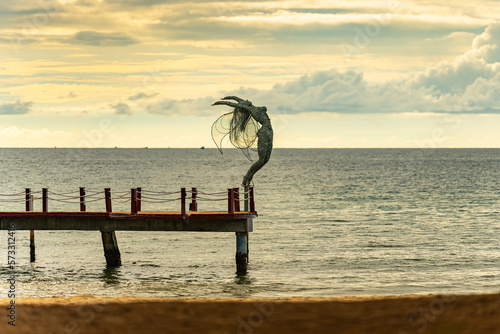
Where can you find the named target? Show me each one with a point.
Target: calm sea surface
(332, 222)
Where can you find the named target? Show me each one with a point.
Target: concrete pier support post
(111, 251)
(241, 252)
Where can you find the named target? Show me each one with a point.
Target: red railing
(136, 196)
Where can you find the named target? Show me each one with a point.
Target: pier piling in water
(111, 251)
(241, 252)
(109, 242)
(29, 207)
(32, 246)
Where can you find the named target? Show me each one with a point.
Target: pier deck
(196, 221)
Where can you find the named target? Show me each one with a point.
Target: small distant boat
(146, 148)
(202, 148)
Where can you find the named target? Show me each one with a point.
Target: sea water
(332, 222)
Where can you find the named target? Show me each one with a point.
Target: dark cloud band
(17, 108)
(94, 38)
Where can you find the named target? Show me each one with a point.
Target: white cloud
(466, 84)
(487, 45)
(12, 131)
(199, 107)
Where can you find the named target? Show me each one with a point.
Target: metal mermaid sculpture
(245, 125)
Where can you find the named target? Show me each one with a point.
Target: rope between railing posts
(74, 202)
(74, 196)
(159, 192)
(212, 194)
(120, 193)
(62, 200)
(93, 194)
(17, 194)
(159, 200)
(67, 196)
(121, 196)
(121, 201)
(94, 200)
(146, 199)
(63, 194)
(13, 200)
(154, 198)
(212, 199)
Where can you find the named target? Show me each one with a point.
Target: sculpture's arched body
(238, 135)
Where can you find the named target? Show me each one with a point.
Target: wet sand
(377, 314)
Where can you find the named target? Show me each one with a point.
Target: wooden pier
(187, 219)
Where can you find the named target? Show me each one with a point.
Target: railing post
(246, 189)
(45, 199)
(83, 207)
(138, 202)
(230, 201)
(236, 199)
(194, 205)
(28, 199)
(133, 201)
(183, 201)
(252, 200)
(107, 197)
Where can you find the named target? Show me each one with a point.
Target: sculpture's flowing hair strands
(241, 128)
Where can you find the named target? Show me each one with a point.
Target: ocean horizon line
(233, 148)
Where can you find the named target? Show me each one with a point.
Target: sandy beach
(377, 314)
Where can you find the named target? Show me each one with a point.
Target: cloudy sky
(135, 73)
